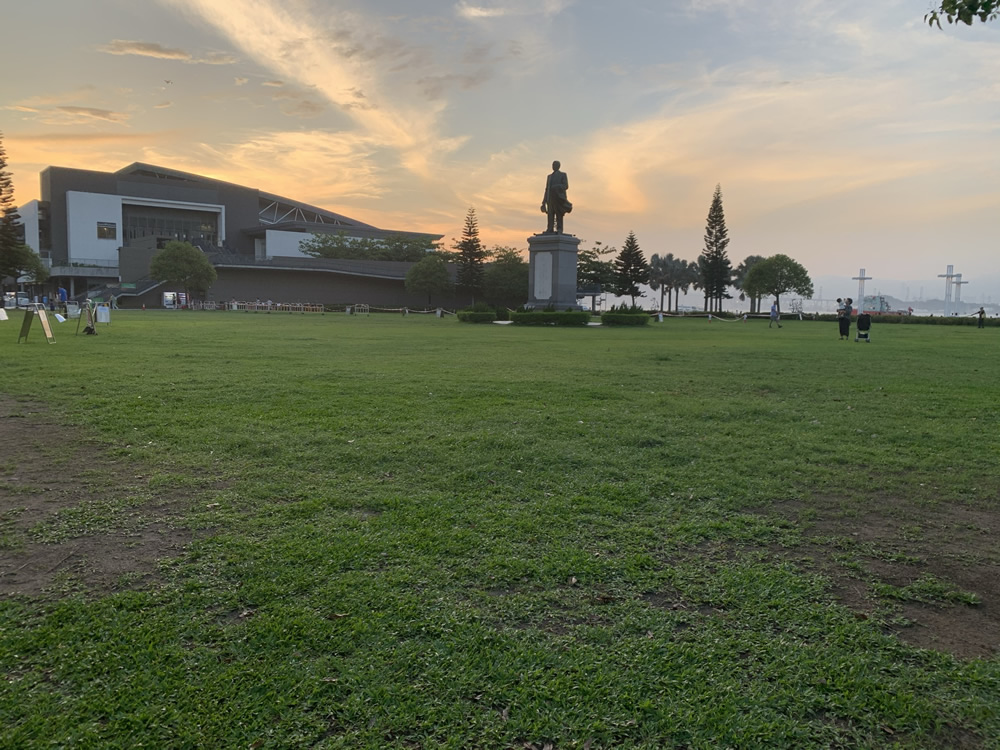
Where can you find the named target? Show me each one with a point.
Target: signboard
(29, 316)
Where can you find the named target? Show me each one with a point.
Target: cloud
(303, 108)
(294, 101)
(241, 81)
(144, 49)
(326, 169)
(163, 105)
(474, 11)
(435, 87)
(287, 39)
(297, 103)
(158, 51)
(547, 8)
(41, 102)
(68, 108)
(92, 113)
(109, 150)
(88, 139)
(217, 58)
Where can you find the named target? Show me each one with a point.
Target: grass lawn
(273, 531)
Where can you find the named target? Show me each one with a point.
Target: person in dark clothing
(981, 312)
(844, 318)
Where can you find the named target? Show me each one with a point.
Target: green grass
(415, 533)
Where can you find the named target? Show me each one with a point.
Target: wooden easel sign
(29, 316)
(89, 310)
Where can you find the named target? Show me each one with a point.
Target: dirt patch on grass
(931, 572)
(72, 517)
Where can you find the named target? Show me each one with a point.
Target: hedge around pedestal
(624, 319)
(468, 316)
(565, 318)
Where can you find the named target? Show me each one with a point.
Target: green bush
(551, 318)
(627, 309)
(943, 320)
(933, 320)
(469, 316)
(625, 319)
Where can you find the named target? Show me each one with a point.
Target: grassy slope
(483, 536)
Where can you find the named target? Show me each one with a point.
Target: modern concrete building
(99, 230)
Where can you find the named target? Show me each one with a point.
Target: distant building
(98, 231)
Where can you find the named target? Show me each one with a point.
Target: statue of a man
(554, 202)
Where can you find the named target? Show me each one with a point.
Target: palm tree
(687, 277)
(740, 275)
(662, 276)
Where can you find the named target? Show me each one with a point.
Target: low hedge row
(624, 319)
(549, 318)
(933, 320)
(470, 316)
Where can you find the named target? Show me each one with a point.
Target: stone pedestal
(552, 271)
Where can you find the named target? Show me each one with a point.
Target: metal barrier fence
(295, 307)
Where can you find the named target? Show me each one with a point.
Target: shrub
(627, 310)
(551, 318)
(470, 316)
(640, 318)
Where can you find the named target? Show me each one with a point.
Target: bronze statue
(554, 202)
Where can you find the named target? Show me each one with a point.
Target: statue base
(552, 271)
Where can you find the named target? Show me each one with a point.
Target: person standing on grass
(844, 318)
(775, 317)
(981, 312)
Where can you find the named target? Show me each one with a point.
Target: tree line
(499, 276)
(17, 259)
(600, 270)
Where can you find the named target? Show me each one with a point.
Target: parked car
(15, 299)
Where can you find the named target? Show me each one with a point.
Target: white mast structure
(948, 277)
(861, 279)
(958, 291)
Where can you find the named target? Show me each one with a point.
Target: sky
(846, 135)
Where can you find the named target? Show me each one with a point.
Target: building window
(187, 226)
(107, 230)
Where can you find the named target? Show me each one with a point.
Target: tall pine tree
(713, 265)
(11, 247)
(631, 269)
(471, 257)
